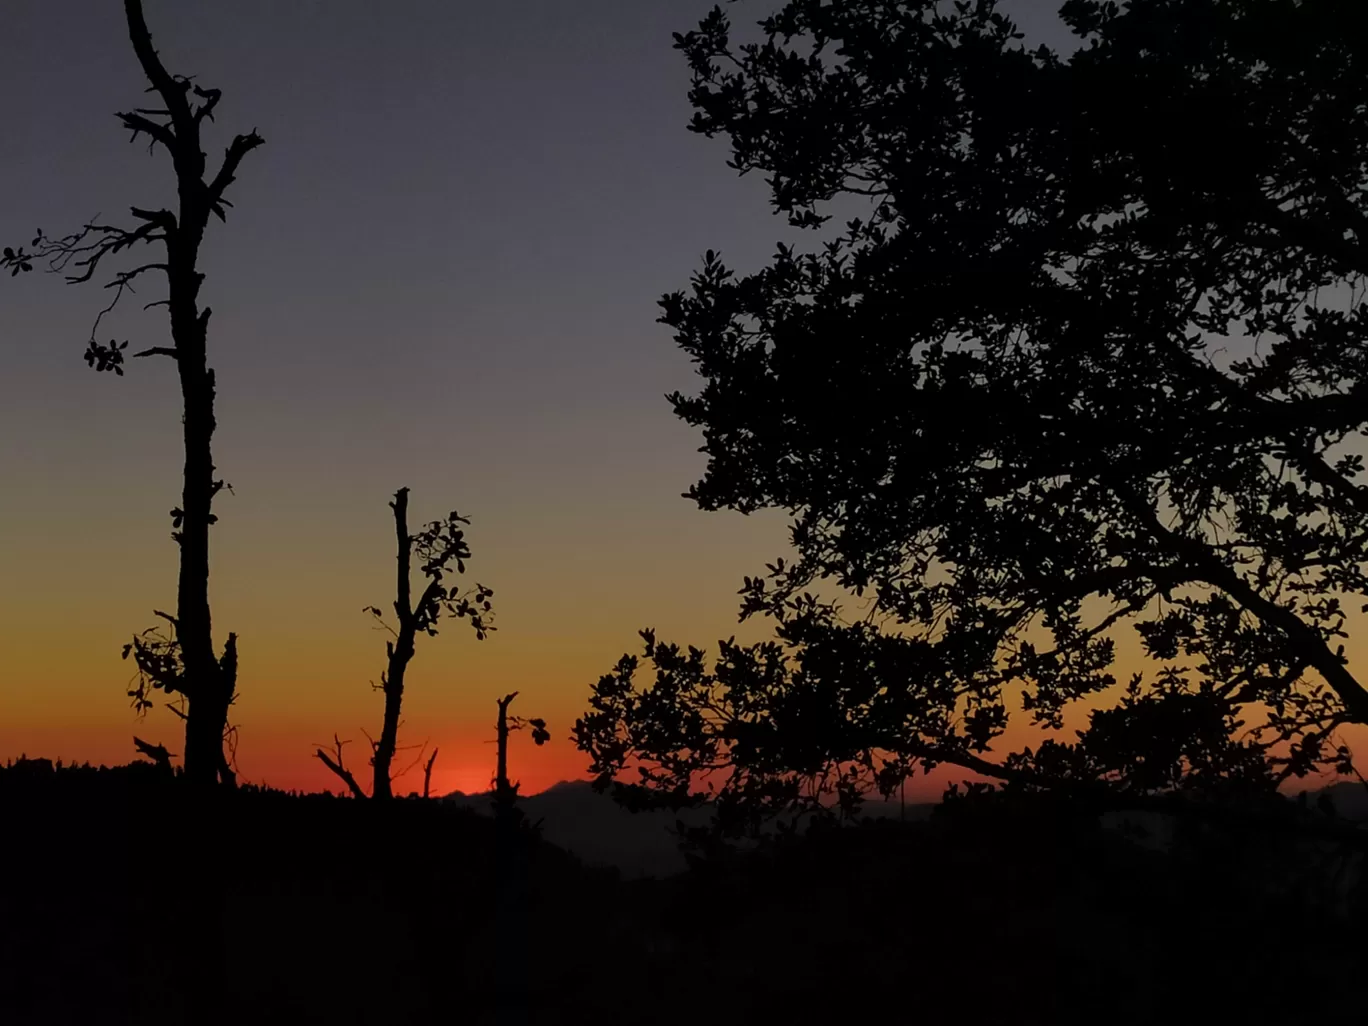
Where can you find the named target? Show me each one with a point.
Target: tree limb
(337, 766)
(157, 753)
(139, 124)
(1309, 645)
(237, 149)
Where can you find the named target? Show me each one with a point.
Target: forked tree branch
(335, 763)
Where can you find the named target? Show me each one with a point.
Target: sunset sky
(440, 272)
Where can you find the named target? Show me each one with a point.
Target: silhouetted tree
(427, 774)
(516, 914)
(441, 550)
(1091, 352)
(205, 680)
(506, 791)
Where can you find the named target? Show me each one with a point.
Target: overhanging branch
(1305, 641)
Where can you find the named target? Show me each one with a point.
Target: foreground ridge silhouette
(1084, 920)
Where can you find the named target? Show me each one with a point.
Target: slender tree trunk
(400, 651)
(389, 729)
(511, 885)
(504, 795)
(427, 774)
(501, 736)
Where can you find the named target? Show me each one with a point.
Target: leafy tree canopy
(1090, 360)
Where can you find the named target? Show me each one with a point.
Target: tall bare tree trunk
(208, 705)
(511, 881)
(208, 682)
(400, 651)
(502, 787)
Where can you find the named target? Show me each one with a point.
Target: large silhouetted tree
(185, 662)
(441, 550)
(1089, 355)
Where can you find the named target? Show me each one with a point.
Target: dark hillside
(336, 911)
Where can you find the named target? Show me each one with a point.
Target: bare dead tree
(207, 681)
(441, 550)
(506, 792)
(427, 774)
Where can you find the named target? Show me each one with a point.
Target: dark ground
(322, 910)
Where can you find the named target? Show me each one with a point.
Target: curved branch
(211, 98)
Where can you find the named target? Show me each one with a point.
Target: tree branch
(237, 149)
(337, 766)
(139, 124)
(211, 98)
(1303, 638)
(157, 753)
(1313, 465)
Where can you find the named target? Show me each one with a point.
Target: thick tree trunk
(203, 735)
(207, 687)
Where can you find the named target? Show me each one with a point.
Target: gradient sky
(441, 272)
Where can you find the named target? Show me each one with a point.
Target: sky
(440, 273)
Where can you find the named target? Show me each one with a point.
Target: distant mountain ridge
(599, 832)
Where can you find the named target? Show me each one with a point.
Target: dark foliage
(1092, 356)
